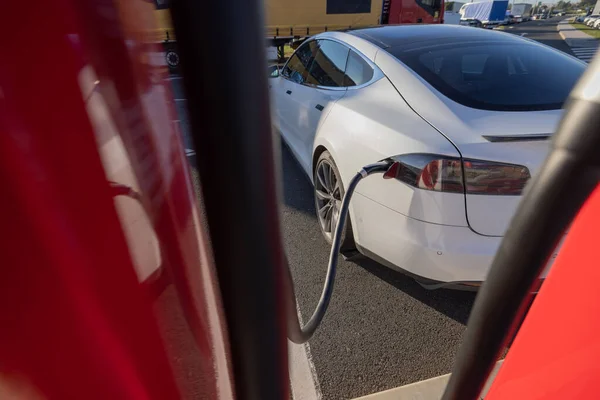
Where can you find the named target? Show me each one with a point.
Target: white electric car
(467, 112)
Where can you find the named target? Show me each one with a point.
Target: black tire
(172, 59)
(324, 163)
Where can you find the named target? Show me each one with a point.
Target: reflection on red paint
(555, 354)
(101, 297)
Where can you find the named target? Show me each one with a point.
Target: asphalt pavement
(543, 31)
(382, 329)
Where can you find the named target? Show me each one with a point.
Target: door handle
(319, 107)
(288, 91)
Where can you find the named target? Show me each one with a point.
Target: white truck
(452, 15)
(488, 13)
(521, 12)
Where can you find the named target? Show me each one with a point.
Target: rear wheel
(329, 192)
(172, 58)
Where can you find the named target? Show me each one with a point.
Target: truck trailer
(521, 12)
(490, 13)
(292, 21)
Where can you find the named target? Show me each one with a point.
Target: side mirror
(273, 71)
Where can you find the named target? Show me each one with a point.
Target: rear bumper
(437, 255)
(432, 252)
(471, 286)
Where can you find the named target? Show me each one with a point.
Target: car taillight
(486, 177)
(451, 175)
(428, 171)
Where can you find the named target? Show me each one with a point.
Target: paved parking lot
(543, 31)
(382, 329)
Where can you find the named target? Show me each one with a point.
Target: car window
(294, 69)
(273, 71)
(358, 71)
(297, 67)
(329, 63)
(473, 63)
(497, 75)
(516, 66)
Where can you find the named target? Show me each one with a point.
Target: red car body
(556, 351)
(83, 313)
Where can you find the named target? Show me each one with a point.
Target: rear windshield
(496, 75)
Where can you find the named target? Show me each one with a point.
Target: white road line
(585, 53)
(524, 34)
(303, 376)
(429, 389)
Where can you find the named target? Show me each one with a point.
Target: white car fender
(322, 143)
(356, 135)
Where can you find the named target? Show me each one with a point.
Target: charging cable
(300, 334)
(297, 333)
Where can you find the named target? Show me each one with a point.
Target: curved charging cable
(297, 333)
(550, 202)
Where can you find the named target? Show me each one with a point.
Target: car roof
(395, 35)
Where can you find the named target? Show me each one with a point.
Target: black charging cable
(300, 334)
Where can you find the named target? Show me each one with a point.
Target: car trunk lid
(491, 214)
(519, 138)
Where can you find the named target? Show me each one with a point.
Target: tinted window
(497, 75)
(471, 63)
(431, 6)
(357, 70)
(327, 69)
(348, 6)
(273, 71)
(297, 67)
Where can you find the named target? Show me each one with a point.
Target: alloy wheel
(328, 194)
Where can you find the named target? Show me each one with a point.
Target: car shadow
(298, 194)
(454, 304)
(297, 188)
